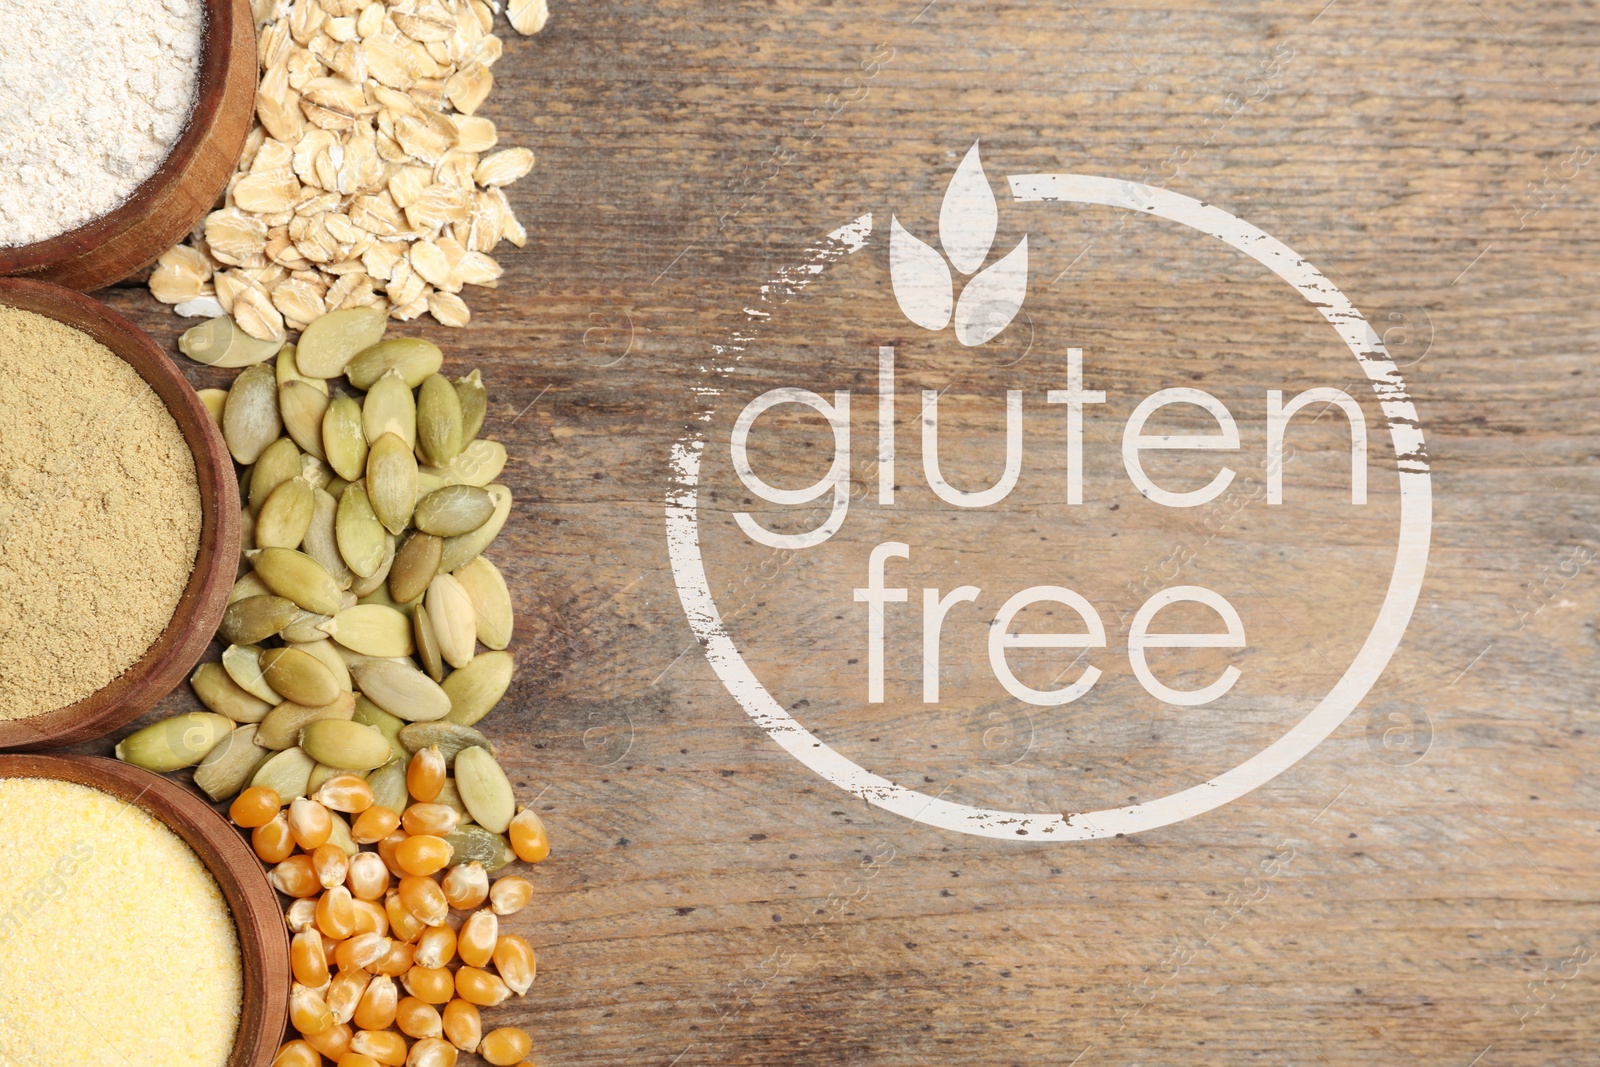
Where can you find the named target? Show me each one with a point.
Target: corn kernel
(510, 894)
(386, 852)
(432, 1052)
(331, 864)
(333, 1042)
(346, 793)
(295, 877)
(397, 961)
(367, 876)
(506, 1046)
(436, 947)
(307, 959)
(431, 985)
(516, 963)
(529, 839)
(370, 918)
(336, 913)
(417, 1019)
(425, 774)
(375, 1011)
(301, 915)
(297, 1054)
(345, 992)
(462, 1025)
(310, 823)
(402, 924)
(272, 841)
(423, 898)
(476, 986)
(475, 942)
(466, 885)
(254, 807)
(385, 1046)
(373, 825)
(361, 950)
(356, 1059)
(436, 819)
(423, 854)
(308, 1012)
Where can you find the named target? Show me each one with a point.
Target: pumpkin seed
(372, 630)
(450, 738)
(389, 786)
(439, 420)
(325, 654)
(340, 743)
(250, 419)
(338, 827)
(427, 643)
(400, 689)
(392, 482)
(283, 723)
(247, 527)
(369, 714)
(474, 399)
(220, 693)
(485, 789)
(360, 535)
(415, 563)
(475, 689)
(453, 510)
(321, 773)
(288, 370)
(381, 596)
(295, 575)
(214, 400)
(321, 541)
(450, 612)
(286, 774)
(243, 664)
(413, 357)
(344, 444)
(256, 618)
(458, 551)
(306, 628)
(491, 601)
(474, 844)
(316, 471)
(450, 798)
(228, 767)
(373, 582)
(390, 408)
(330, 342)
(175, 743)
(219, 342)
(278, 463)
(299, 676)
(303, 407)
(479, 463)
(286, 516)
(249, 585)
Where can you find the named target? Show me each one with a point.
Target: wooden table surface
(1421, 887)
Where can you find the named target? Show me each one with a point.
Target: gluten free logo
(954, 281)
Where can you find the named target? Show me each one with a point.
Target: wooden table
(1416, 888)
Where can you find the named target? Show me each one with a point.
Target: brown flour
(99, 515)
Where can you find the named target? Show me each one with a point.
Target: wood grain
(706, 901)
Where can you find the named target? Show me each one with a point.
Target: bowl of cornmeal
(119, 519)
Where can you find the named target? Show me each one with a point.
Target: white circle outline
(1405, 583)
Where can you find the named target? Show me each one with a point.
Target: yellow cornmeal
(117, 947)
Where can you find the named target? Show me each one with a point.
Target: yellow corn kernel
(307, 959)
(336, 914)
(373, 825)
(475, 942)
(529, 839)
(416, 1018)
(432, 1052)
(423, 854)
(345, 992)
(297, 1054)
(301, 915)
(375, 1011)
(386, 852)
(476, 986)
(310, 823)
(462, 1025)
(436, 819)
(272, 841)
(516, 963)
(466, 885)
(331, 864)
(385, 1046)
(506, 1046)
(402, 924)
(370, 918)
(308, 1012)
(423, 898)
(361, 950)
(333, 1042)
(436, 947)
(346, 793)
(510, 894)
(356, 1059)
(425, 774)
(431, 985)
(367, 876)
(295, 877)
(254, 807)
(397, 961)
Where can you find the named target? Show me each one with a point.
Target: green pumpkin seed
(479, 463)
(249, 585)
(214, 400)
(278, 463)
(427, 643)
(450, 798)
(389, 786)
(286, 516)
(475, 689)
(392, 482)
(219, 342)
(243, 664)
(413, 357)
(372, 630)
(459, 550)
(474, 844)
(449, 737)
(305, 629)
(390, 408)
(320, 775)
(415, 563)
(175, 743)
(297, 576)
(325, 654)
(341, 743)
(287, 773)
(247, 528)
(484, 789)
(491, 601)
(223, 695)
(450, 612)
(474, 399)
(362, 587)
(360, 535)
(299, 676)
(303, 408)
(250, 419)
(439, 421)
(321, 541)
(400, 689)
(256, 618)
(453, 510)
(369, 714)
(329, 343)
(344, 444)
(288, 370)
(230, 766)
(316, 471)
(283, 723)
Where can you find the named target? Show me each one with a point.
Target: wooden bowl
(186, 185)
(263, 937)
(180, 646)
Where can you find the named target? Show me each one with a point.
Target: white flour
(93, 94)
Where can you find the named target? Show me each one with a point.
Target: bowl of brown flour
(119, 519)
